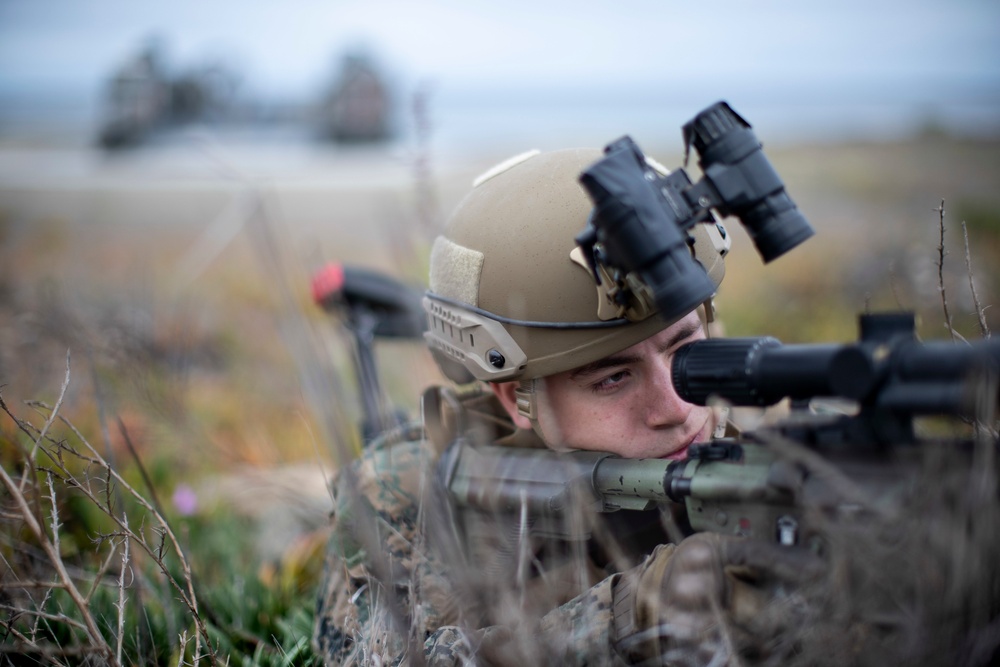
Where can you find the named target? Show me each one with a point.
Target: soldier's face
(626, 403)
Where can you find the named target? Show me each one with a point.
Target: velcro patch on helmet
(455, 271)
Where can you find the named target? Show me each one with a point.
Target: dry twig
(50, 546)
(121, 592)
(102, 485)
(940, 265)
(980, 310)
(184, 588)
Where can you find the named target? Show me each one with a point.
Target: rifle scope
(641, 217)
(900, 374)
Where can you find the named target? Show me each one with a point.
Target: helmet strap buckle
(526, 399)
(526, 396)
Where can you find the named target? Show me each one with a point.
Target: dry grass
(197, 351)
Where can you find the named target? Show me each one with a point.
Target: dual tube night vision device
(642, 217)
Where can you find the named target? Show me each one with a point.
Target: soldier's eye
(610, 383)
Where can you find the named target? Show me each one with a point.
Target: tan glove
(708, 598)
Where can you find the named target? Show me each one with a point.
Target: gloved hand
(709, 597)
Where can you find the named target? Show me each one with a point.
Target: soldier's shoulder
(381, 488)
(391, 470)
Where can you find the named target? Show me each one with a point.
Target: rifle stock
(749, 495)
(732, 487)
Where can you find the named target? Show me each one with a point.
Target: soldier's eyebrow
(689, 329)
(595, 367)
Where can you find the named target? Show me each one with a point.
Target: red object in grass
(327, 282)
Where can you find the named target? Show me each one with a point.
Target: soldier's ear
(505, 392)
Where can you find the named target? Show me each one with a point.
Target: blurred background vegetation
(199, 380)
(173, 262)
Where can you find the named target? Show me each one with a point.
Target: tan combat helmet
(510, 295)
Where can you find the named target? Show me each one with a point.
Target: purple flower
(185, 500)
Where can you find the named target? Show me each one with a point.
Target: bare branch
(980, 311)
(45, 599)
(61, 618)
(186, 591)
(98, 578)
(327, 477)
(183, 642)
(940, 265)
(25, 647)
(26, 584)
(48, 422)
(121, 592)
(56, 561)
(138, 462)
(104, 490)
(55, 513)
(13, 631)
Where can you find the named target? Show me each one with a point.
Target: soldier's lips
(681, 454)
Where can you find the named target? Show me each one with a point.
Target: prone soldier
(562, 363)
(526, 519)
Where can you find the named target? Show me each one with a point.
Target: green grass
(255, 612)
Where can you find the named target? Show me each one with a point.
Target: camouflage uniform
(405, 575)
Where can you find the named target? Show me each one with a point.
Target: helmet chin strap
(708, 310)
(526, 396)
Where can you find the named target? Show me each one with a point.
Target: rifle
(759, 485)
(750, 486)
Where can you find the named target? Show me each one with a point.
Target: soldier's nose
(664, 407)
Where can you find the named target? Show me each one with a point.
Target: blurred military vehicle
(143, 96)
(205, 92)
(357, 106)
(136, 100)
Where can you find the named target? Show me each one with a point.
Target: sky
(927, 51)
(288, 45)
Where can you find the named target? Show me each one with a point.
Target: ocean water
(817, 112)
(504, 121)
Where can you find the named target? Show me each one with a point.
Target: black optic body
(745, 183)
(641, 217)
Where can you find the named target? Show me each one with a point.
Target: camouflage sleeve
(354, 629)
(380, 598)
(370, 555)
(582, 631)
(384, 597)
(579, 632)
